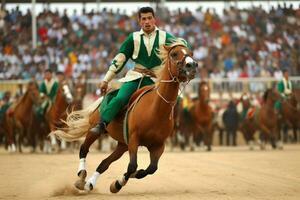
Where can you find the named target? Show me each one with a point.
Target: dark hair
(60, 73)
(48, 70)
(145, 10)
(285, 70)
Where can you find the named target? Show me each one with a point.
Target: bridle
(174, 79)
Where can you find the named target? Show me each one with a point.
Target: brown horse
(184, 131)
(55, 114)
(202, 114)
(290, 115)
(19, 117)
(150, 121)
(247, 126)
(265, 120)
(57, 111)
(79, 91)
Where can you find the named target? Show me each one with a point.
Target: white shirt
(149, 39)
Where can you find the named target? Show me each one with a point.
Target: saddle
(133, 99)
(122, 116)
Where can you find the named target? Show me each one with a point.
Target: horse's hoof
(115, 187)
(80, 185)
(88, 187)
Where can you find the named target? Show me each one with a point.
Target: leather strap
(146, 72)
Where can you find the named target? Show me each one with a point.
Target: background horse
(202, 114)
(185, 130)
(265, 120)
(79, 91)
(19, 117)
(57, 111)
(290, 116)
(55, 115)
(247, 113)
(150, 121)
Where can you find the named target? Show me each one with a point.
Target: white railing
(222, 85)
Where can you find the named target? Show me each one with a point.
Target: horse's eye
(174, 54)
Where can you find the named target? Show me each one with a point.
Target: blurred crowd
(244, 43)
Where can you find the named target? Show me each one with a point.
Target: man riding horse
(5, 102)
(48, 90)
(285, 88)
(141, 47)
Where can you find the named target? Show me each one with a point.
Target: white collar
(143, 33)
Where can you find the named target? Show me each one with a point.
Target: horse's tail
(77, 123)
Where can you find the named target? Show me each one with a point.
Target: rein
(174, 79)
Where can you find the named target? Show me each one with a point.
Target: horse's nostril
(195, 64)
(188, 65)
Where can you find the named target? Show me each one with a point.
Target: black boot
(100, 128)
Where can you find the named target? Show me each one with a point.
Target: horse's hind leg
(84, 149)
(103, 166)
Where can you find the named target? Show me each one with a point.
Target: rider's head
(60, 76)
(285, 73)
(147, 19)
(48, 74)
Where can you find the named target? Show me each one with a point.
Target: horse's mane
(20, 100)
(163, 53)
(26, 93)
(266, 94)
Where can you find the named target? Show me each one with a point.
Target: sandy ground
(225, 173)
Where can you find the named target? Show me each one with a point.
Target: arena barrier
(223, 87)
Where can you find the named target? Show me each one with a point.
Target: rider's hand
(103, 87)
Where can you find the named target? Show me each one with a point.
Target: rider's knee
(121, 101)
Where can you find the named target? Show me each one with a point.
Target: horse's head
(65, 91)
(79, 91)
(180, 62)
(271, 95)
(33, 92)
(204, 91)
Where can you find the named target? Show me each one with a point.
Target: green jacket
(53, 91)
(135, 48)
(285, 89)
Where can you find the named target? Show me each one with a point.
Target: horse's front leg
(155, 154)
(103, 166)
(132, 166)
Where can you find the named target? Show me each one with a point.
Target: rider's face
(48, 76)
(286, 75)
(147, 22)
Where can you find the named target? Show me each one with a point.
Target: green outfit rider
(141, 47)
(48, 88)
(5, 104)
(285, 88)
